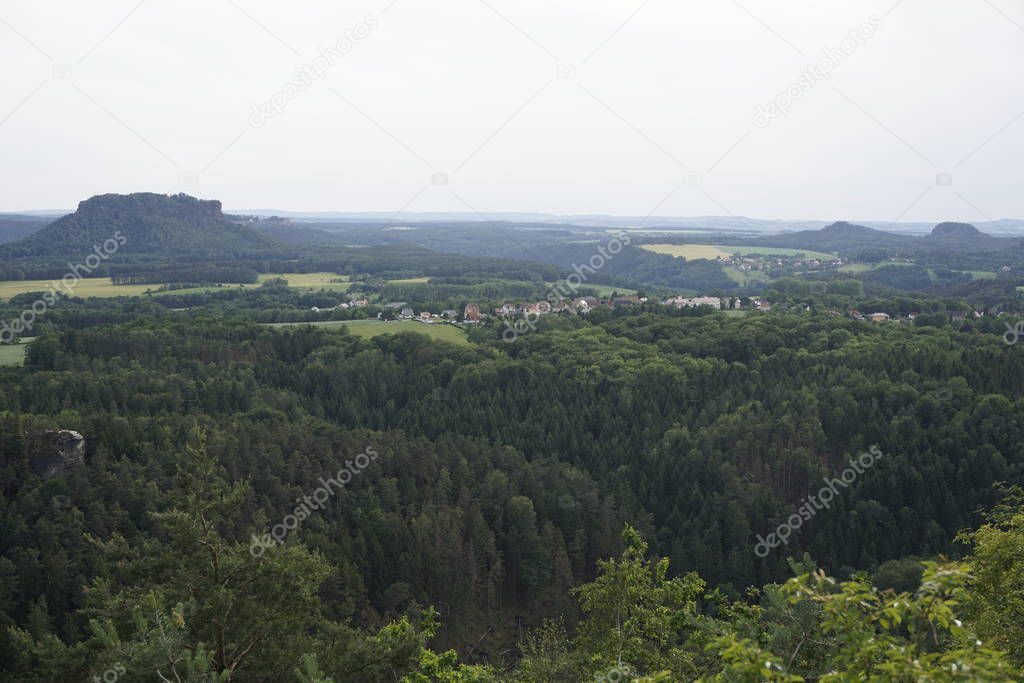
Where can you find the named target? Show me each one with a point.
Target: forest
(584, 504)
(198, 486)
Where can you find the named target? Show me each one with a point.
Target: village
(776, 263)
(473, 313)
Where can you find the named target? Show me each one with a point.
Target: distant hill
(14, 227)
(966, 236)
(172, 226)
(840, 237)
(848, 239)
(287, 232)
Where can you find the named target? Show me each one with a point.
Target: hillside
(16, 226)
(148, 223)
(285, 231)
(955, 246)
(840, 237)
(966, 236)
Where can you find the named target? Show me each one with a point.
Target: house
(406, 314)
(538, 308)
(425, 316)
(630, 300)
(878, 317)
(506, 310)
(472, 313)
(450, 314)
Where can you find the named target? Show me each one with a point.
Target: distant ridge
(848, 238)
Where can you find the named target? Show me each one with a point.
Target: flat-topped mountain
(145, 223)
(956, 231)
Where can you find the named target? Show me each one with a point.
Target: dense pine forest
(261, 503)
(511, 341)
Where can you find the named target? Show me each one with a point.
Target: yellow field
(713, 251)
(297, 280)
(310, 280)
(103, 287)
(86, 287)
(688, 251)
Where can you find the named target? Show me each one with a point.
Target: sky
(827, 110)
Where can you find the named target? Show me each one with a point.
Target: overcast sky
(565, 106)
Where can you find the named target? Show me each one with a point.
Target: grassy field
(103, 287)
(310, 281)
(777, 251)
(375, 328)
(86, 287)
(865, 267)
(745, 277)
(13, 354)
(608, 290)
(410, 281)
(713, 251)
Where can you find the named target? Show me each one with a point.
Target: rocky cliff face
(57, 452)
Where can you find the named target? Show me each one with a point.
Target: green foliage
(505, 475)
(635, 616)
(996, 599)
(879, 636)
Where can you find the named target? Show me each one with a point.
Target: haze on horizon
(567, 107)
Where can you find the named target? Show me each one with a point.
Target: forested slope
(509, 470)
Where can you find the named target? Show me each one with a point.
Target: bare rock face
(71, 447)
(57, 452)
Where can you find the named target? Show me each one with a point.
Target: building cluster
(449, 315)
(582, 305)
(473, 313)
(882, 317)
(353, 302)
(724, 303)
(756, 262)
